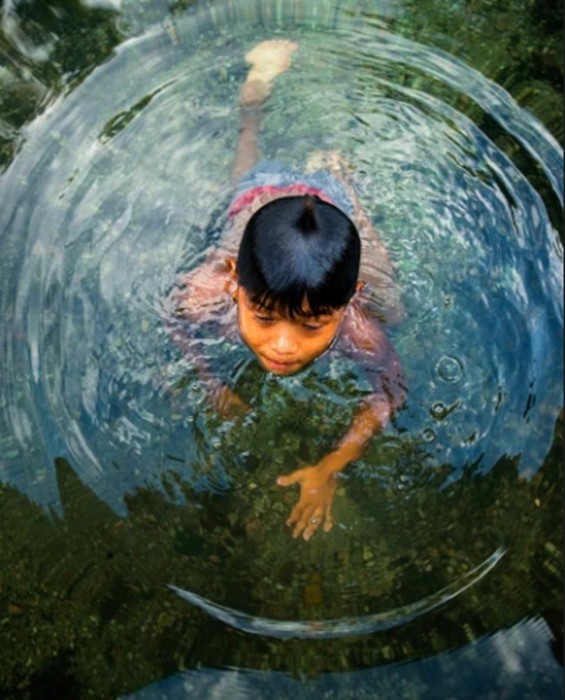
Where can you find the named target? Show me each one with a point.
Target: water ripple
(345, 627)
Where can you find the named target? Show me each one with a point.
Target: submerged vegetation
(102, 622)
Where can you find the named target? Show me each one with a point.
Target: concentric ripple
(121, 186)
(344, 627)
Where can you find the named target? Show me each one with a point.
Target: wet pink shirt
(247, 198)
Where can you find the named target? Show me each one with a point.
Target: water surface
(120, 481)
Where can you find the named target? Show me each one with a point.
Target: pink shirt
(247, 198)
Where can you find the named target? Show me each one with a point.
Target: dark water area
(142, 538)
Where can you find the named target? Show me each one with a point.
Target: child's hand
(227, 403)
(317, 491)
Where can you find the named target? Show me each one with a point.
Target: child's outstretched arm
(376, 266)
(378, 271)
(202, 295)
(318, 483)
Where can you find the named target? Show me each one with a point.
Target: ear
(360, 285)
(231, 285)
(231, 267)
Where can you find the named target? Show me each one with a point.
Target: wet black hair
(299, 249)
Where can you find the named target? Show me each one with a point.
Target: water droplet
(449, 369)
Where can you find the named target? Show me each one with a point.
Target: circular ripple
(449, 369)
(429, 435)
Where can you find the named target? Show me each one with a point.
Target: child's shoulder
(364, 340)
(362, 328)
(205, 289)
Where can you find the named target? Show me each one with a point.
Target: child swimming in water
(285, 279)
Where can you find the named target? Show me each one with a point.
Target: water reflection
(493, 666)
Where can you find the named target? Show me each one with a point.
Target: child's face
(284, 345)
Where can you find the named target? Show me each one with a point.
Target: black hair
(299, 249)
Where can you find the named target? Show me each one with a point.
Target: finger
(329, 519)
(314, 522)
(302, 523)
(295, 514)
(290, 478)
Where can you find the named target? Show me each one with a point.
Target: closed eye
(264, 319)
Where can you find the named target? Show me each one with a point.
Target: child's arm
(376, 266)
(373, 350)
(377, 269)
(202, 296)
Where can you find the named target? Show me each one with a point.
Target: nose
(285, 342)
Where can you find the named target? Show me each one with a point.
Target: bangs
(302, 304)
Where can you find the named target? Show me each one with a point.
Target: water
(143, 537)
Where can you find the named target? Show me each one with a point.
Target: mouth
(279, 367)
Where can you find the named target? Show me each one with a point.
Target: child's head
(297, 269)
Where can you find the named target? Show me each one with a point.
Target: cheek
(253, 333)
(331, 334)
(321, 341)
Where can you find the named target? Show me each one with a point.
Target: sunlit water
(121, 186)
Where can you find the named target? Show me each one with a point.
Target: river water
(144, 547)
